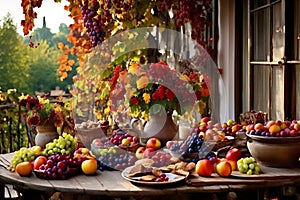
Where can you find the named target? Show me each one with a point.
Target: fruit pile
(57, 166)
(275, 128)
(25, 155)
(59, 160)
(216, 131)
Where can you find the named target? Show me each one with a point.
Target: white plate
(172, 178)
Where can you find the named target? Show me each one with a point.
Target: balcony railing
(14, 133)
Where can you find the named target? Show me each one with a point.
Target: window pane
(278, 33)
(277, 97)
(261, 35)
(261, 88)
(258, 3)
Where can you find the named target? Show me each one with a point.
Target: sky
(53, 12)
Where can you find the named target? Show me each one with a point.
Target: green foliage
(30, 69)
(14, 68)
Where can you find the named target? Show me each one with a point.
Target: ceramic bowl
(275, 151)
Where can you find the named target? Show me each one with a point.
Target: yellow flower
(142, 82)
(134, 68)
(146, 97)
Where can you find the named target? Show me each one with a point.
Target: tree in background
(14, 58)
(30, 69)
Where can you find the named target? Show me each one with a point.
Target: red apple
(153, 143)
(39, 161)
(205, 119)
(233, 154)
(223, 168)
(139, 154)
(204, 167)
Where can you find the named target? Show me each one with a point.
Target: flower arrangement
(40, 111)
(139, 87)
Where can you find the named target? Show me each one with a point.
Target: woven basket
(86, 136)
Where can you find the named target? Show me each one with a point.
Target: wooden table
(111, 184)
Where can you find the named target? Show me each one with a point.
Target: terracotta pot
(161, 127)
(275, 151)
(45, 134)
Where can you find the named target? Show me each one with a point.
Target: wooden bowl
(275, 151)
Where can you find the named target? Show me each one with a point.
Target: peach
(274, 128)
(89, 166)
(233, 164)
(259, 126)
(153, 143)
(24, 168)
(223, 168)
(204, 167)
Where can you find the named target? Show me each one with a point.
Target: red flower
(170, 95)
(155, 96)
(161, 92)
(134, 100)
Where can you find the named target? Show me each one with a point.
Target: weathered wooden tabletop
(111, 183)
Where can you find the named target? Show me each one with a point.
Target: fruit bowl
(275, 151)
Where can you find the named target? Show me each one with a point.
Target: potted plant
(154, 91)
(44, 116)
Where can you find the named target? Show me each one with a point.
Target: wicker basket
(86, 136)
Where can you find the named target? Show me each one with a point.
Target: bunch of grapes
(22, 155)
(60, 166)
(93, 22)
(65, 144)
(249, 166)
(192, 149)
(119, 160)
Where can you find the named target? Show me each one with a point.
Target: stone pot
(45, 134)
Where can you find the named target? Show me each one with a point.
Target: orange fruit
(89, 166)
(24, 168)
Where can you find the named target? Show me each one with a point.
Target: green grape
(22, 155)
(248, 166)
(251, 166)
(257, 168)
